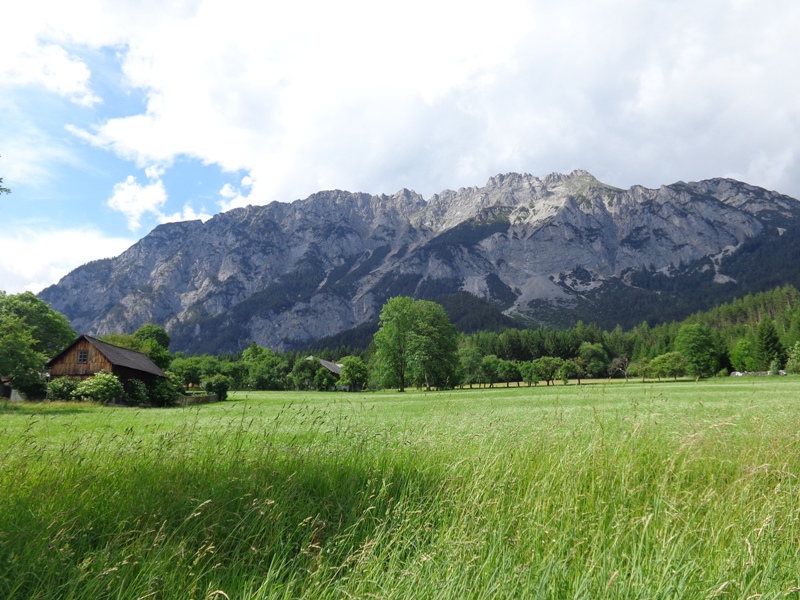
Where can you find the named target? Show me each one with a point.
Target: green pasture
(604, 490)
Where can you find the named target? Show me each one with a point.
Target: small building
(87, 355)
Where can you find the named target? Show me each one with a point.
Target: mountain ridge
(287, 274)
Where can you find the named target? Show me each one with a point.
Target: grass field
(607, 490)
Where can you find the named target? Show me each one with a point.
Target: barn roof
(117, 356)
(331, 366)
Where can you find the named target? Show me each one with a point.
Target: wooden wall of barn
(68, 365)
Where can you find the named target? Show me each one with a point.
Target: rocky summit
(541, 251)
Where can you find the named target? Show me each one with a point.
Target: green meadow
(604, 490)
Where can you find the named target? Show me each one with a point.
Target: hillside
(550, 251)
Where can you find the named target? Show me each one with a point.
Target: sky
(117, 115)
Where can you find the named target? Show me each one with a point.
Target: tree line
(417, 346)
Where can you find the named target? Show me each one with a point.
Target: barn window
(83, 356)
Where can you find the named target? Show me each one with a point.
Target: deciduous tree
(793, 364)
(50, 330)
(392, 339)
(669, 364)
(490, 370)
(432, 346)
(529, 373)
(595, 359)
(548, 368)
(415, 343)
(696, 345)
(150, 331)
(355, 373)
(469, 357)
(30, 333)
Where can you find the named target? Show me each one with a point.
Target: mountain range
(521, 249)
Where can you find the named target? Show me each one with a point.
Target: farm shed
(87, 355)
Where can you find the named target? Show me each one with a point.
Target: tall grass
(605, 491)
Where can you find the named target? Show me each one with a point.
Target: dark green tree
(265, 370)
(768, 345)
(123, 340)
(508, 372)
(490, 370)
(19, 362)
(303, 374)
(432, 346)
(165, 392)
(150, 331)
(217, 384)
(469, 358)
(324, 380)
(135, 391)
(157, 353)
(696, 345)
(148, 346)
(595, 359)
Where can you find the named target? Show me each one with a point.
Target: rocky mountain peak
(286, 274)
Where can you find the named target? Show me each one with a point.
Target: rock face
(285, 275)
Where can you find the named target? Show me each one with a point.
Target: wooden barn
(87, 355)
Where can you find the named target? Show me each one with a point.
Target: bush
(136, 391)
(33, 385)
(217, 384)
(62, 388)
(165, 392)
(104, 387)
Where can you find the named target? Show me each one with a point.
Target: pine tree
(768, 345)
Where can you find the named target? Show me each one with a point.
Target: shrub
(165, 392)
(324, 380)
(136, 391)
(104, 387)
(62, 388)
(793, 364)
(217, 384)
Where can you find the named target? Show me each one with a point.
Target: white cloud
(372, 97)
(52, 67)
(428, 94)
(33, 258)
(234, 197)
(188, 214)
(134, 200)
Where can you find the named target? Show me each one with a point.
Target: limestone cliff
(287, 274)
